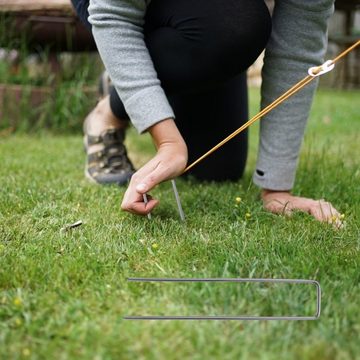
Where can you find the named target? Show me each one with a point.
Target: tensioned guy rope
(313, 73)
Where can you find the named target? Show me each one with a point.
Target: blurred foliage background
(50, 70)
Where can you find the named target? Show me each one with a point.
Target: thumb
(142, 188)
(158, 175)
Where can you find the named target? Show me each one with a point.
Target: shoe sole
(89, 177)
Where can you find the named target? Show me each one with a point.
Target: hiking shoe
(110, 164)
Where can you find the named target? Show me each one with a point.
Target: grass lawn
(62, 296)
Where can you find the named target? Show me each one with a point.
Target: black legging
(201, 50)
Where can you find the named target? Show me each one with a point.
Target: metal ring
(325, 68)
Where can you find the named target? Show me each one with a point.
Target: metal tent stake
(178, 202)
(145, 202)
(234, 317)
(177, 198)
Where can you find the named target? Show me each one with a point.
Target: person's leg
(201, 51)
(103, 117)
(198, 48)
(117, 106)
(104, 128)
(206, 118)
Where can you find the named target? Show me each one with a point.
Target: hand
(169, 162)
(282, 202)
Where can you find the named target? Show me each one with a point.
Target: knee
(252, 32)
(230, 37)
(240, 35)
(261, 27)
(172, 57)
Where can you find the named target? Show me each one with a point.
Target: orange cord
(293, 90)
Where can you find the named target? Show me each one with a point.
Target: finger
(140, 208)
(324, 211)
(335, 218)
(130, 197)
(329, 212)
(159, 174)
(134, 202)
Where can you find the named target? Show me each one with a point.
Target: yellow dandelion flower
(17, 301)
(238, 199)
(342, 216)
(248, 215)
(26, 352)
(155, 246)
